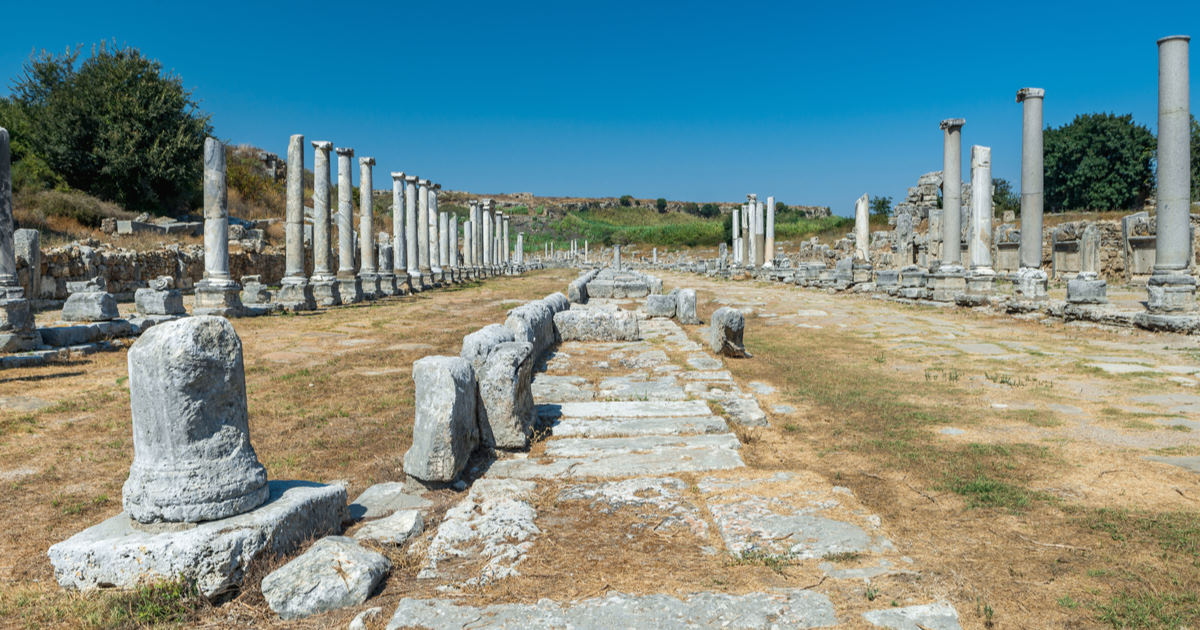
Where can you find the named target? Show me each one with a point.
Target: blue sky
(686, 100)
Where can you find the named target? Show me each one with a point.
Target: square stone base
(387, 285)
(325, 291)
(369, 282)
(119, 552)
(296, 294)
(17, 331)
(1171, 293)
(219, 297)
(947, 283)
(981, 283)
(1087, 288)
(350, 289)
(1030, 285)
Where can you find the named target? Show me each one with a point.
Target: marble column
(654, 256)
(399, 241)
(617, 257)
(862, 229)
(980, 280)
(952, 191)
(324, 283)
(770, 246)
(444, 242)
(469, 249)
(760, 235)
(435, 250)
(423, 232)
(1030, 282)
(487, 237)
(349, 284)
(507, 247)
(217, 293)
(368, 274)
(1171, 289)
(295, 293)
(585, 251)
(736, 242)
(455, 261)
(520, 254)
(476, 238)
(411, 239)
(18, 331)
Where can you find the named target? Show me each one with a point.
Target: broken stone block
(191, 441)
(596, 325)
(478, 345)
(254, 291)
(556, 302)
(445, 431)
(725, 333)
(392, 530)
(505, 398)
(155, 302)
(685, 307)
(89, 303)
(384, 499)
(334, 573)
(533, 322)
(660, 305)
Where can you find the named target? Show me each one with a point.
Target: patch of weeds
(1140, 425)
(1180, 427)
(984, 491)
(757, 557)
(950, 375)
(871, 593)
(842, 556)
(1036, 417)
(294, 375)
(984, 609)
(791, 427)
(1067, 602)
(880, 358)
(1173, 532)
(1150, 610)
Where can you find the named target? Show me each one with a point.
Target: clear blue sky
(686, 100)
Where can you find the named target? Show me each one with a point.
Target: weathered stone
(595, 325)
(91, 306)
(478, 345)
(192, 455)
(557, 302)
(660, 305)
(215, 554)
(154, 302)
(938, 616)
(494, 522)
(685, 307)
(626, 456)
(725, 333)
(392, 530)
(505, 400)
(533, 322)
(334, 573)
(384, 499)
(445, 431)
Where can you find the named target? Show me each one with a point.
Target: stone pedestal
(89, 302)
(1030, 285)
(369, 285)
(161, 298)
(862, 273)
(296, 294)
(981, 282)
(326, 291)
(218, 297)
(350, 289)
(913, 281)
(1087, 288)
(1171, 293)
(17, 329)
(947, 283)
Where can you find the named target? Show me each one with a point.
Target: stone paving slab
(626, 409)
(578, 427)
(627, 457)
(936, 616)
(795, 608)
(494, 523)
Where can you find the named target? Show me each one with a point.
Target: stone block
(685, 307)
(91, 306)
(556, 302)
(64, 336)
(533, 322)
(505, 408)
(17, 331)
(215, 554)
(155, 302)
(726, 331)
(1030, 285)
(660, 305)
(254, 291)
(1087, 288)
(395, 529)
(478, 345)
(192, 456)
(383, 499)
(445, 431)
(217, 297)
(596, 325)
(334, 573)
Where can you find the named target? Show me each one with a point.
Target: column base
(419, 279)
(325, 290)
(296, 294)
(1030, 285)
(947, 283)
(862, 273)
(218, 297)
(981, 281)
(387, 285)
(402, 287)
(350, 289)
(368, 281)
(1087, 288)
(1171, 293)
(18, 331)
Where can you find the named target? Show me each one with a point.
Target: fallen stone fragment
(505, 408)
(334, 573)
(725, 333)
(494, 523)
(661, 305)
(392, 530)
(594, 325)
(361, 620)
(685, 308)
(383, 499)
(937, 616)
(445, 430)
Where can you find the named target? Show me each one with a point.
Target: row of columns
(753, 233)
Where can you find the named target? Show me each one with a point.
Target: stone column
(507, 249)
(617, 257)
(981, 279)
(1171, 288)
(952, 191)
(585, 251)
(654, 256)
(520, 255)
(17, 329)
(368, 274)
(435, 249)
(770, 244)
(386, 253)
(469, 249)
(862, 229)
(423, 231)
(411, 238)
(760, 235)
(399, 241)
(444, 241)
(325, 287)
(295, 293)
(1030, 282)
(487, 237)
(476, 235)
(217, 293)
(736, 224)
(349, 284)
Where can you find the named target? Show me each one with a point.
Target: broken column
(1171, 289)
(1088, 287)
(760, 235)
(949, 280)
(736, 240)
(1030, 281)
(399, 241)
(412, 247)
(770, 229)
(520, 253)
(860, 265)
(445, 430)
(349, 284)
(980, 280)
(295, 293)
(324, 283)
(617, 257)
(368, 275)
(386, 258)
(217, 293)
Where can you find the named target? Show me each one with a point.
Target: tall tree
(881, 206)
(117, 126)
(1004, 197)
(1098, 162)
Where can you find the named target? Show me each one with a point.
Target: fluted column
(325, 287)
(423, 229)
(411, 227)
(295, 293)
(399, 242)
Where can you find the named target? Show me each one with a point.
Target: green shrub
(77, 205)
(626, 200)
(660, 204)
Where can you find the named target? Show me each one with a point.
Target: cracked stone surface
(664, 493)
(494, 523)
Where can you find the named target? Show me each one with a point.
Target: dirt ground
(1007, 458)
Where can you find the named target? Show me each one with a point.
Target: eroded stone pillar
(324, 283)
(444, 241)
(1171, 288)
(507, 247)
(981, 279)
(770, 246)
(617, 257)
(736, 241)
(435, 250)
(295, 293)
(399, 241)
(469, 248)
(423, 231)
(368, 274)
(476, 238)
(217, 293)
(520, 254)
(1088, 287)
(487, 236)
(17, 329)
(1030, 281)
(760, 234)
(862, 229)
(411, 238)
(349, 284)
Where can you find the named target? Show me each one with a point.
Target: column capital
(423, 182)
(366, 161)
(1173, 37)
(322, 145)
(953, 123)
(980, 156)
(412, 179)
(1025, 93)
(398, 175)
(346, 151)
(437, 186)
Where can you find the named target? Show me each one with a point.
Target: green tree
(1098, 162)
(692, 208)
(661, 204)
(781, 207)
(1003, 196)
(710, 210)
(881, 206)
(116, 126)
(626, 200)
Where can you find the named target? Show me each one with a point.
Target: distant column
(520, 255)
(295, 293)
(325, 287)
(348, 282)
(469, 248)
(444, 240)
(862, 229)
(368, 272)
(411, 239)
(760, 236)
(507, 247)
(487, 236)
(981, 278)
(423, 230)
(1030, 282)
(217, 293)
(1171, 288)
(952, 191)
(617, 257)
(736, 241)
(770, 246)
(399, 242)
(476, 237)
(435, 251)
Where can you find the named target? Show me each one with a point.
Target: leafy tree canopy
(1098, 162)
